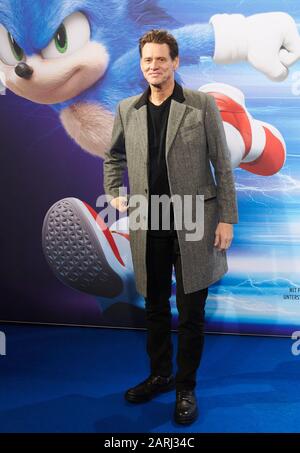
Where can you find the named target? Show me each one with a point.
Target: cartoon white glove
(269, 41)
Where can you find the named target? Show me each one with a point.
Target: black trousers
(162, 254)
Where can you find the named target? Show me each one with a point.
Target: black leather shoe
(186, 410)
(149, 388)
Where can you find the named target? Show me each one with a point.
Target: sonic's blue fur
(117, 24)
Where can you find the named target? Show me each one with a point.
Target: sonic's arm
(269, 41)
(194, 41)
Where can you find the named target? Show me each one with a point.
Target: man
(167, 138)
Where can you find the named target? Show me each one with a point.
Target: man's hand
(268, 41)
(119, 203)
(223, 236)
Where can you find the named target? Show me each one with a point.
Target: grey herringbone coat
(195, 137)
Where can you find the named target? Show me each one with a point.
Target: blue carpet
(71, 379)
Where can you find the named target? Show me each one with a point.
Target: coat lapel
(177, 110)
(176, 114)
(142, 130)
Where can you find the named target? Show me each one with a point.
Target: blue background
(40, 164)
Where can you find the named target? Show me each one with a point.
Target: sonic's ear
(147, 12)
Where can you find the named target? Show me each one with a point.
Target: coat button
(146, 191)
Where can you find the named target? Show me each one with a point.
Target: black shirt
(158, 175)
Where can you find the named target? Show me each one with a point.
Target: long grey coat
(195, 137)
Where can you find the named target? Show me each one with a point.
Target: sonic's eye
(10, 52)
(61, 40)
(70, 36)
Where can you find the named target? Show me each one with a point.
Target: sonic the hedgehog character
(81, 57)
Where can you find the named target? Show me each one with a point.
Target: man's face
(156, 64)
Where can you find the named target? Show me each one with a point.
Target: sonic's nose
(24, 70)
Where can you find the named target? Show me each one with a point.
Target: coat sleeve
(115, 161)
(220, 158)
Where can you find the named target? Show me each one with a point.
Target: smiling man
(167, 137)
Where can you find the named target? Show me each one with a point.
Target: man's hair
(160, 37)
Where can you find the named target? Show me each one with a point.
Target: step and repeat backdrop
(64, 66)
